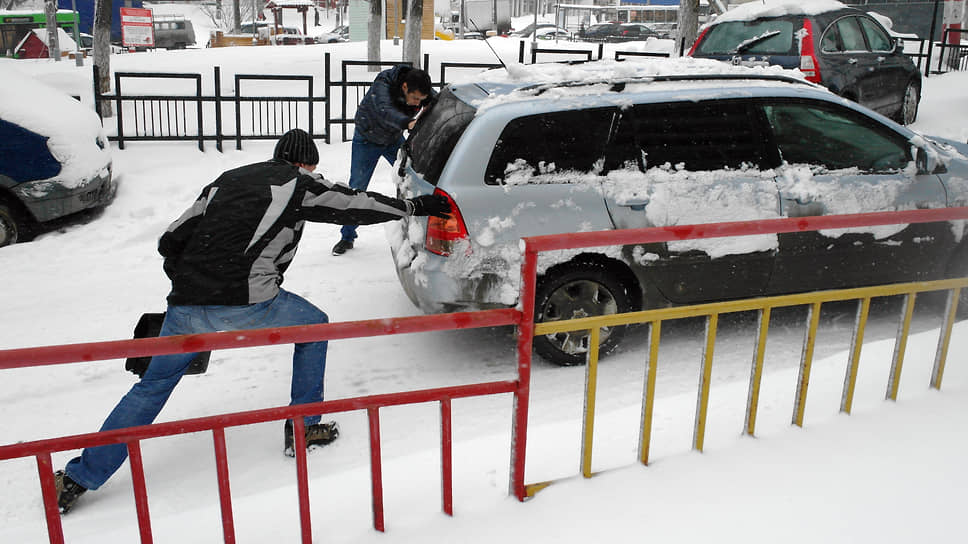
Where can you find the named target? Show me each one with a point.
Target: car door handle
(795, 208)
(852, 61)
(881, 59)
(637, 204)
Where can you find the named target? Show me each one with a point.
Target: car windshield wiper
(753, 41)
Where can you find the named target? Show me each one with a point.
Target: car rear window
(435, 136)
(760, 37)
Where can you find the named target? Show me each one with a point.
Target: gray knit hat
(297, 146)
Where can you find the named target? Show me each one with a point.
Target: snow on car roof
(519, 82)
(778, 8)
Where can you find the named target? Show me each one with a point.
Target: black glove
(436, 205)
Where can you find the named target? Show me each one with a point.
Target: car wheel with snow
(573, 291)
(908, 112)
(13, 227)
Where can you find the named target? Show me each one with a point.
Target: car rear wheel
(909, 106)
(574, 291)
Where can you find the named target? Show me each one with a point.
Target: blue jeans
(141, 405)
(363, 161)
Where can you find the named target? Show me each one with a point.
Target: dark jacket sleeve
(387, 113)
(172, 243)
(327, 202)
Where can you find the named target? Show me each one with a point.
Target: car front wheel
(576, 291)
(909, 106)
(13, 228)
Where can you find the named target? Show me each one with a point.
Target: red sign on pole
(137, 28)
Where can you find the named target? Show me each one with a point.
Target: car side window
(850, 34)
(834, 138)
(876, 37)
(831, 41)
(698, 136)
(538, 148)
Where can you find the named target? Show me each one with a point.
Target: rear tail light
(808, 60)
(695, 44)
(444, 234)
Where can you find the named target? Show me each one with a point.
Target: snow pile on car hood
(76, 138)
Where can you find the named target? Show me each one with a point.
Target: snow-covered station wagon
(548, 149)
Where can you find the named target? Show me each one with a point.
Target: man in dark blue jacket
(389, 108)
(226, 256)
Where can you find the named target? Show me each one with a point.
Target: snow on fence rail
(522, 318)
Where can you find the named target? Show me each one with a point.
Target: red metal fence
(50, 355)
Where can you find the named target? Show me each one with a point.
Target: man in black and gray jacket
(226, 256)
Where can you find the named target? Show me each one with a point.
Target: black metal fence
(140, 116)
(951, 56)
(261, 115)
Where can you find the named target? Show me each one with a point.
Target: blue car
(54, 158)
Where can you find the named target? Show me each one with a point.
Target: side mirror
(928, 163)
(898, 45)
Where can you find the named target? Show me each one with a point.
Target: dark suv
(845, 50)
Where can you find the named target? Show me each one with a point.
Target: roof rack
(618, 85)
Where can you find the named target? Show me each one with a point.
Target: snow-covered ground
(892, 472)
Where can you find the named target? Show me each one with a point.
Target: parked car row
(604, 32)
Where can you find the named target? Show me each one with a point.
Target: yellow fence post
(702, 403)
(591, 382)
(850, 380)
(648, 400)
(951, 310)
(806, 360)
(900, 344)
(756, 373)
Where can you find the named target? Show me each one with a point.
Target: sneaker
(342, 247)
(316, 435)
(68, 491)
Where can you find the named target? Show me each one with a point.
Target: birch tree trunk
(53, 43)
(237, 16)
(374, 33)
(102, 51)
(411, 33)
(688, 25)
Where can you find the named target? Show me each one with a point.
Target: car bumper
(434, 290)
(49, 200)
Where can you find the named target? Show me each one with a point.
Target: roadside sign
(137, 28)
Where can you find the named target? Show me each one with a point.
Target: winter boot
(68, 491)
(316, 435)
(342, 247)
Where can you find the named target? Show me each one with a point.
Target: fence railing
(951, 56)
(141, 116)
(182, 117)
(520, 388)
(52, 355)
(593, 325)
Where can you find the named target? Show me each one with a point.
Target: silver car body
(484, 270)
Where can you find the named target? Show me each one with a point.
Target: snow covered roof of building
(64, 40)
